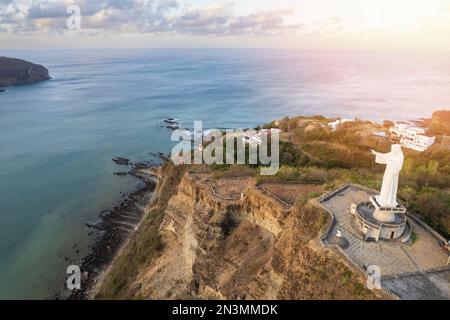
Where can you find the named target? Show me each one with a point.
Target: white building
(412, 137)
(256, 138)
(270, 131)
(334, 125)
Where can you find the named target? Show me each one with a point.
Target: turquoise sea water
(57, 137)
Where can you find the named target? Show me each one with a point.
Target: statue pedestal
(387, 215)
(376, 222)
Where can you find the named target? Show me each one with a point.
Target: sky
(419, 25)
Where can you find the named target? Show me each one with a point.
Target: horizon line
(232, 48)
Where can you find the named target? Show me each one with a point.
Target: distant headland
(18, 72)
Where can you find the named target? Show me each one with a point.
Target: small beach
(116, 226)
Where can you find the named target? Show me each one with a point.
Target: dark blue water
(57, 137)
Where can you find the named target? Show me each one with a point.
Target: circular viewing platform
(374, 229)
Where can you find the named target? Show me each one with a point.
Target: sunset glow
(318, 24)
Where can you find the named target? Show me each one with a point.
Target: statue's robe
(394, 163)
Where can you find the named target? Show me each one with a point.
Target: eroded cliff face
(250, 247)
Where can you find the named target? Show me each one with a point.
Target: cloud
(141, 16)
(221, 20)
(46, 9)
(331, 25)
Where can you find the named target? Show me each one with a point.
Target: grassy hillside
(344, 156)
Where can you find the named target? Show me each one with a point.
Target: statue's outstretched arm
(381, 158)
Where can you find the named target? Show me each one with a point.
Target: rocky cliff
(197, 243)
(17, 72)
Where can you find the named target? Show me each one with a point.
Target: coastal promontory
(17, 72)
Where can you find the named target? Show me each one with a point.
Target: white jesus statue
(394, 163)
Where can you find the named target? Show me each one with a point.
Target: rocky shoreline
(115, 227)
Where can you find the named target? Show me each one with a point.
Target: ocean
(57, 138)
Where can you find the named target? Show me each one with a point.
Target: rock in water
(97, 225)
(121, 160)
(17, 72)
(121, 173)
